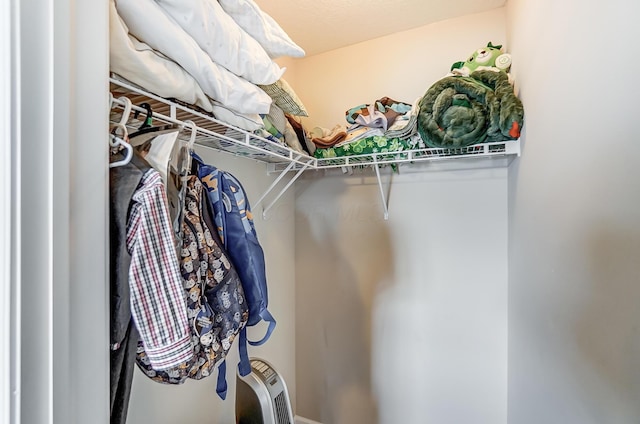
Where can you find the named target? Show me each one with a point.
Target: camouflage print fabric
(216, 305)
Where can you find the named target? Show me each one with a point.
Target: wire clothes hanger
(117, 142)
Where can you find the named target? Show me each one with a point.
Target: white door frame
(54, 360)
(9, 217)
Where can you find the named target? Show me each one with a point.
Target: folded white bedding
(148, 22)
(223, 40)
(143, 66)
(246, 121)
(262, 27)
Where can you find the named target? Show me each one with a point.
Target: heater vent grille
(281, 409)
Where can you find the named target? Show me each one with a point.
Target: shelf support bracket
(276, 181)
(382, 196)
(285, 188)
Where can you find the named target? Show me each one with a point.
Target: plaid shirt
(158, 305)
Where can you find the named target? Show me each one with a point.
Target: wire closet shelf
(218, 135)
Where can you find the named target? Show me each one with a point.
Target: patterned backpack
(216, 305)
(234, 221)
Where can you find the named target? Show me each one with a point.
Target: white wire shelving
(211, 132)
(220, 136)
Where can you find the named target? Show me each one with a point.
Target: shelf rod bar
(384, 200)
(276, 181)
(285, 188)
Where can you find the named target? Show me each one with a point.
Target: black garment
(122, 365)
(123, 182)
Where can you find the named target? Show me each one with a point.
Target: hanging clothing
(123, 181)
(146, 287)
(171, 157)
(158, 304)
(216, 303)
(122, 361)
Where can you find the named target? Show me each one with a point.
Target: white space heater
(262, 397)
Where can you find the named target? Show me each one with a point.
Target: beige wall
(401, 66)
(574, 273)
(197, 401)
(401, 320)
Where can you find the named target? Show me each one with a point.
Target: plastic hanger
(127, 110)
(146, 131)
(148, 119)
(117, 142)
(194, 133)
(180, 168)
(183, 163)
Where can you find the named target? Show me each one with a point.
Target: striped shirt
(158, 305)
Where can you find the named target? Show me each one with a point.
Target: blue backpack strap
(221, 387)
(244, 367)
(266, 316)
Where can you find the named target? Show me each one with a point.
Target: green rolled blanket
(460, 111)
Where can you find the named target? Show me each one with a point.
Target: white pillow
(245, 121)
(143, 66)
(223, 40)
(262, 27)
(148, 22)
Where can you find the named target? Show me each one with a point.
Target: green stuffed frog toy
(490, 57)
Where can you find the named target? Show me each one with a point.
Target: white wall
(402, 320)
(401, 66)
(574, 210)
(197, 401)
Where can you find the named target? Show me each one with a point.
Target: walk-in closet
(487, 282)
